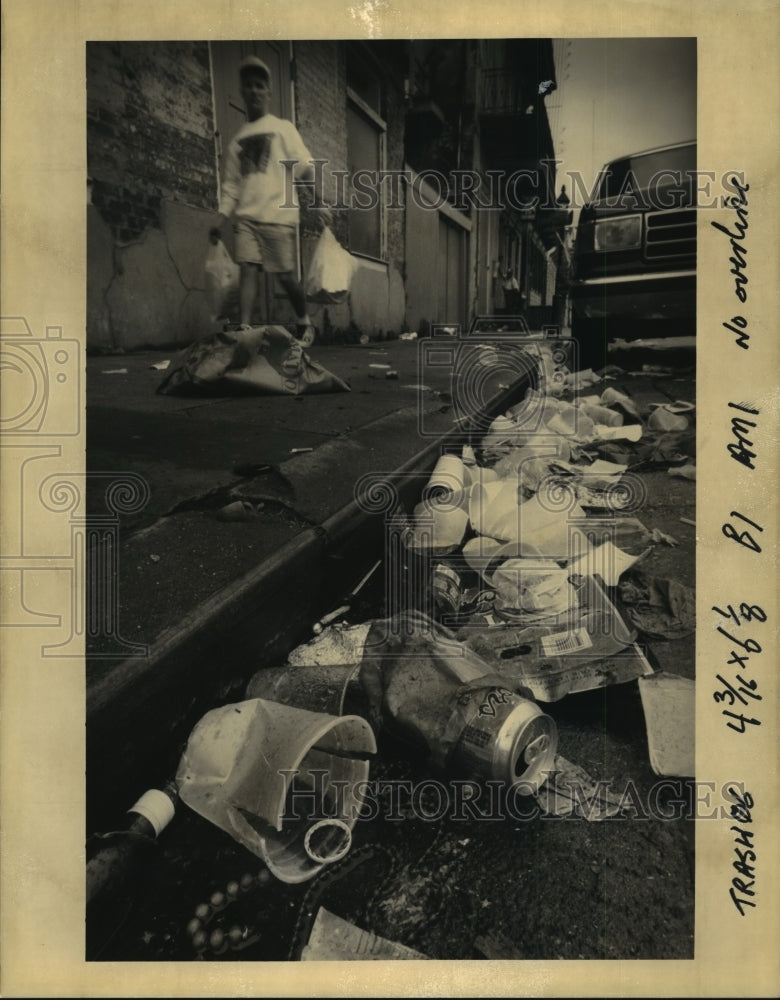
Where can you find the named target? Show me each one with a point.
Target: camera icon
(41, 381)
(495, 354)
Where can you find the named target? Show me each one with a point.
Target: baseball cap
(256, 65)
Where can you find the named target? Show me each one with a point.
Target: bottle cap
(156, 807)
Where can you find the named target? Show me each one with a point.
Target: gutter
(139, 715)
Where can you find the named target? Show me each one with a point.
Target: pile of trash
(522, 558)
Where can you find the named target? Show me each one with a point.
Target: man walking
(258, 190)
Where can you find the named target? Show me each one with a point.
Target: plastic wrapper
(587, 647)
(330, 271)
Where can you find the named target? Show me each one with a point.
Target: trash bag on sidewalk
(265, 359)
(330, 272)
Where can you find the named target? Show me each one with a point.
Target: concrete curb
(140, 713)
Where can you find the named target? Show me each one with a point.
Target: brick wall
(321, 114)
(149, 131)
(321, 118)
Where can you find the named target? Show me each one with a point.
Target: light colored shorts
(271, 245)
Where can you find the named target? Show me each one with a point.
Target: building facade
(430, 153)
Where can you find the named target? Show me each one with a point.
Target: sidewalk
(187, 449)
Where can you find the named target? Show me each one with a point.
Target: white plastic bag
(222, 280)
(330, 272)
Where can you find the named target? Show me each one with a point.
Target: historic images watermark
(466, 800)
(521, 190)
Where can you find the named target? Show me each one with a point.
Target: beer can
(504, 738)
(447, 589)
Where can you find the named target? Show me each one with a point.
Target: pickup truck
(634, 260)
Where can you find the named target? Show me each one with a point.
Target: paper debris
(683, 471)
(570, 790)
(333, 939)
(669, 703)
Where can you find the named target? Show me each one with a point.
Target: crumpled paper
(570, 790)
(660, 609)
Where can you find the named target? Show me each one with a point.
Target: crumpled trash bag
(660, 609)
(265, 359)
(620, 401)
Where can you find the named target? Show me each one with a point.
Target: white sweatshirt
(256, 185)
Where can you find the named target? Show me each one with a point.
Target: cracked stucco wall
(153, 191)
(150, 292)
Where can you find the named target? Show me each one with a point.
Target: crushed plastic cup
(438, 526)
(570, 423)
(448, 481)
(479, 474)
(581, 379)
(550, 532)
(663, 419)
(284, 782)
(480, 551)
(607, 561)
(687, 471)
(616, 398)
(632, 432)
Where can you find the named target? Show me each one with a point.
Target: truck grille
(671, 234)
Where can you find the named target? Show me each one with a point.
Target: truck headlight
(622, 233)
